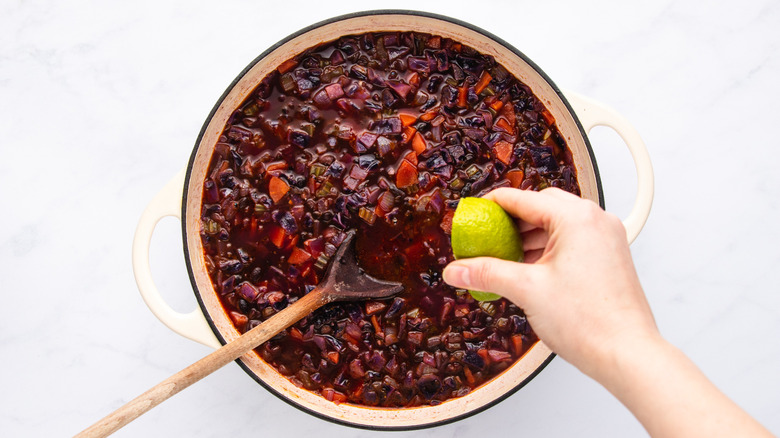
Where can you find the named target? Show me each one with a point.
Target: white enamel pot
(575, 116)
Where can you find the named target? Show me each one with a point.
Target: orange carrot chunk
(287, 66)
(296, 334)
(298, 256)
(414, 80)
(276, 236)
(515, 177)
(469, 377)
(517, 344)
(406, 175)
(484, 80)
(418, 143)
(428, 116)
(462, 94)
(407, 119)
(411, 156)
(495, 106)
(548, 118)
(408, 133)
(277, 188)
(503, 150)
(502, 124)
(339, 397)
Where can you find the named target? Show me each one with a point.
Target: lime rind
(480, 227)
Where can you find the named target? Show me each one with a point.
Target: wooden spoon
(344, 281)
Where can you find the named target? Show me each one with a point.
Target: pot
(181, 197)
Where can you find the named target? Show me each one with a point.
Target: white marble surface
(101, 102)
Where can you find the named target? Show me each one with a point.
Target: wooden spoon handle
(202, 368)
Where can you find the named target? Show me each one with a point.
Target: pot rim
(219, 102)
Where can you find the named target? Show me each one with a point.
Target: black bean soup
(381, 133)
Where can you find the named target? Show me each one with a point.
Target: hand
(580, 292)
(578, 286)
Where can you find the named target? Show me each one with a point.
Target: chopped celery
(317, 169)
(367, 215)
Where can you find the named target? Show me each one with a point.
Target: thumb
(488, 274)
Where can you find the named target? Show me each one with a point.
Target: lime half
(480, 227)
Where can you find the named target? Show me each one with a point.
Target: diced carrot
(277, 188)
(457, 47)
(275, 165)
(358, 391)
(408, 133)
(517, 344)
(411, 156)
(293, 242)
(296, 334)
(502, 124)
(406, 175)
(469, 377)
(407, 119)
(239, 319)
(483, 353)
(375, 323)
(428, 116)
(414, 79)
(333, 356)
(287, 66)
(339, 397)
(503, 150)
(496, 106)
(418, 143)
(462, 94)
(515, 177)
(276, 236)
(484, 80)
(298, 256)
(548, 118)
(508, 111)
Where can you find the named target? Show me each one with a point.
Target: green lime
(480, 227)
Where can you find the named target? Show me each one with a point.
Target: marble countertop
(100, 105)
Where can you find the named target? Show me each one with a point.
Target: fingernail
(457, 276)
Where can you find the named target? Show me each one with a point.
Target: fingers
(533, 256)
(536, 208)
(488, 274)
(534, 239)
(560, 194)
(525, 226)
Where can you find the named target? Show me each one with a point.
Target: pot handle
(191, 325)
(591, 114)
